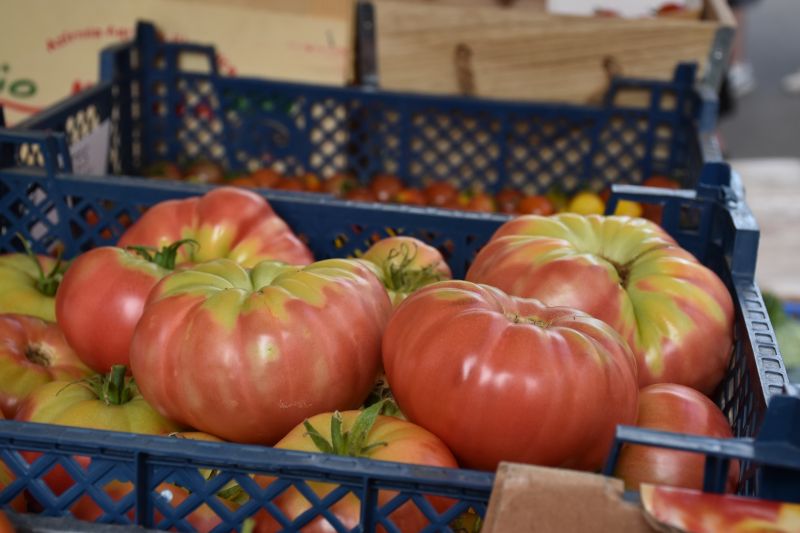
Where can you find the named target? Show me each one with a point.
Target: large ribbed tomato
(385, 439)
(32, 352)
(675, 313)
(28, 284)
(101, 298)
(247, 355)
(504, 378)
(226, 222)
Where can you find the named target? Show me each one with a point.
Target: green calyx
(47, 282)
(351, 443)
(114, 388)
(400, 276)
(166, 256)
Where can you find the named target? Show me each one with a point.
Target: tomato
(386, 187)
(110, 403)
(411, 196)
(361, 194)
(265, 177)
(482, 202)
(535, 205)
(246, 355)
(204, 172)
(691, 510)
(32, 352)
(675, 313)
(226, 222)
(18, 503)
(440, 193)
(339, 184)
(405, 264)
(507, 200)
(5, 524)
(386, 439)
(586, 203)
(28, 284)
(243, 181)
(163, 170)
(289, 184)
(499, 378)
(310, 182)
(101, 298)
(679, 409)
(654, 212)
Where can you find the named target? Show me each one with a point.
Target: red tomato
(310, 182)
(386, 187)
(339, 184)
(361, 194)
(675, 313)
(699, 512)
(289, 184)
(411, 197)
(679, 409)
(441, 193)
(542, 385)
(535, 205)
(110, 403)
(226, 222)
(204, 172)
(243, 181)
(654, 212)
(403, 442)
(507, 200)
(28, 284)
(32, 352)
(163, 170)
(101, 298)
(265, 177)
(246, 355)
(482, 202)
(5, 524)
(405, 264)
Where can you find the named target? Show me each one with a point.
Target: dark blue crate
(792, 309)
(159, 110)
(50, 208)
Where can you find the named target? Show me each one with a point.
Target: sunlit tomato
(246, 355)
(507, 200)
(440, 193)
(411, 196)
(675, 313)
(535, 205)
(388, 439)
(679, 409)
(386, 187)
(225, 222)
(405, 264)
(28, 285)
(32, 352)
(101, 298)
(542, 385)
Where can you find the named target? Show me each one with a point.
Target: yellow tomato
(629, 208)
(586, 203)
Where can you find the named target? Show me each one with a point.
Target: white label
(90, 154)
(623, 8)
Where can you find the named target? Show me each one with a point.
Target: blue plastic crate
(159, 110)
(49, 208)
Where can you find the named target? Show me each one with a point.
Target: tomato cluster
(212, 315)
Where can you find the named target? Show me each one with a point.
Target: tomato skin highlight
(227, 222)
(504, 378)
(248, 354)
(675, 313)
(32, 353)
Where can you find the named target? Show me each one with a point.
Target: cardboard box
(49, 48)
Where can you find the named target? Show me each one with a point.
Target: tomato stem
(351, 443)
(400, 276)
(166, 256)
(114, 388)
(47, 283)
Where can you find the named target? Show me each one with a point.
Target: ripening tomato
(310, 182)
(507, 200)
(542, 385)
(32, 352)
(226, 222)
(265, 177)
(386, 187)
(28, 284)
(440, 193)
(535, 205)
(246, 355)
(384, 439)
(163, 170)
(404, 264)
(675, 313)
(339, 184)
(481, 202)
(411, 196)
(679, 409)
(289, 184)
(204, 172)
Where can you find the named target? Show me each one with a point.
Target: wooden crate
(522, 52)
